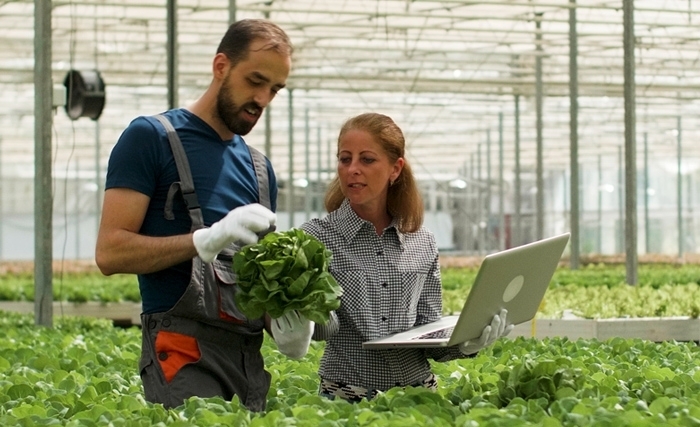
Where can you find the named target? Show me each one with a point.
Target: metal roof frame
(444, 70)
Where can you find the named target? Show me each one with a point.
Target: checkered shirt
(391, 282)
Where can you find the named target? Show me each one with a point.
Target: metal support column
(290, 164)
(231, 11)
(318, 185)
(518, 234)
(501, 212)
(480, 202)
(600, 203)
(647, 227)
(630, 144)
(268, 109)
(332, 152)
(171, 47)
(307, 166)
(489, 237)
(76, 207)
(620, 199)
(98, 176)
(43, 205)
(679, 188)
(689, 225)
(538, 102)
(574, 258)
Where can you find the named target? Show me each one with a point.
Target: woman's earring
(391, 183)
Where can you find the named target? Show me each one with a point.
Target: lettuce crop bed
(73, 287)
(600, 291)
(83, 372)
(595, 291)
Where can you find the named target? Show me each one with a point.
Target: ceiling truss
(448, 72)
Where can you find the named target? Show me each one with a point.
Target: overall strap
(261, 173)
(185, 186)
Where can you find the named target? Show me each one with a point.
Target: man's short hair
(240, 35)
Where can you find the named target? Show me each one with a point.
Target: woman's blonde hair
(404, 202)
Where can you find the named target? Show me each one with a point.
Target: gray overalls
(204, 346)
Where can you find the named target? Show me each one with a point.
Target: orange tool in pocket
(175, 351)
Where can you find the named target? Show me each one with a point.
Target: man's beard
(228, 111)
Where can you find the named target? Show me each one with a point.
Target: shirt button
(166, 323)
(384, 285)
(383, 318)
(380, 253)
(163, 356)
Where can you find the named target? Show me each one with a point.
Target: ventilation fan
(85, 94)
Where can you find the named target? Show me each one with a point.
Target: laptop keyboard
(440, 333)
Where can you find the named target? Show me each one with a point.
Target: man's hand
(292, 333)
(239, 225)
(498, 328)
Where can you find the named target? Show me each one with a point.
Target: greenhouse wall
(461, 218)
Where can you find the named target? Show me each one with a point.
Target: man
(183, 192)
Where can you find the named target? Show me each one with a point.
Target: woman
(386, 263)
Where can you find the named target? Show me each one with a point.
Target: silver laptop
(515, 279)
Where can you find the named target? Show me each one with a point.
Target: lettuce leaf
(286, 270)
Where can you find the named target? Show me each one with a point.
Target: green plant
(286, 271)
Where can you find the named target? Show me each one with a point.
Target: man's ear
(220, 66)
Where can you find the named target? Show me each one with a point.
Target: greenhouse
(467, 81)
(523, 120)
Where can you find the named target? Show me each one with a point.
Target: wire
(71, 61)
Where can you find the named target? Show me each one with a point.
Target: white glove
(498, 328)
(292, 333)
(239, 225)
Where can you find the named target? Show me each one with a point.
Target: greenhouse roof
(449, 72)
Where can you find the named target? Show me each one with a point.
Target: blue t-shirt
(222, 172)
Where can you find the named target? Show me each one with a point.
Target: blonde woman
(386, 263)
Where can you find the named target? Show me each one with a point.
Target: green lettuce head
(286, 270)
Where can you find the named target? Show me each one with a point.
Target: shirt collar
(349, 224)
